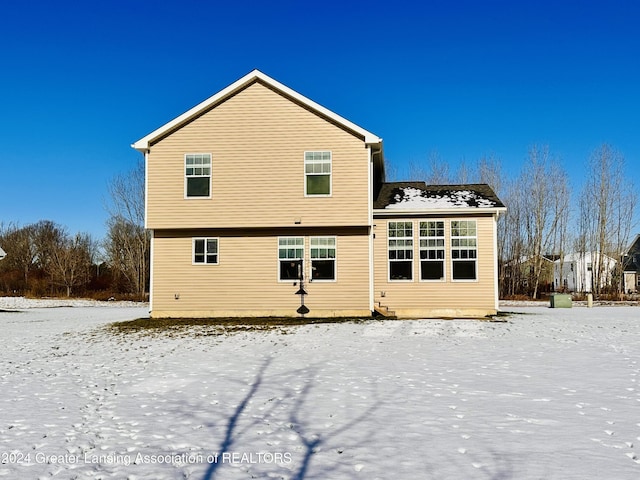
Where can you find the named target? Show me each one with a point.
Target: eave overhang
(395, 212)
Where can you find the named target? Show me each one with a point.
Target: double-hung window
(464, 250)
(317, 173)
(400, 237)
(323, 258)
(432, 250)
(205, 250)
(197, 169)
(290, 256)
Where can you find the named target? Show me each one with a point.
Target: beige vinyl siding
(418, 298)
(245, 281)
(257, 141)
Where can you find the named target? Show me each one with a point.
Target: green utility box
(560, 300)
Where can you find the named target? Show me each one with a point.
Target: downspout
(370, 220)
(151, 271)
(146, 222)
(496, 262)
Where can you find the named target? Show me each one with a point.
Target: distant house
(631, 265)
(578, 272)
(522, 271)
(2, 253)
(262, 202)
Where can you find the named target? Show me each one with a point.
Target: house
(631, 265)
(2, 253)
(521, 272)
(577, 271)
(262, 202)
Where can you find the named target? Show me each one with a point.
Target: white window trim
(335, 260)
(304, 172)
(444, 249)
(302, 258)
(184, 174)
(413, 247)
(451, 248)
(193, 251)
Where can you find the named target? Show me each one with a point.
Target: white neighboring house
(2, 253)
(579, 269)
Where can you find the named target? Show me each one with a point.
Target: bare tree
(128, 243)
(545, 204)
(47, 235)
(511, 243)
(21, 256)
(607, 202)
(69, 261)
(434, 172)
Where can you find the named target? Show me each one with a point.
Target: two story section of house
(264, 203)
(248, 192)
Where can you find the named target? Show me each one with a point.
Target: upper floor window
(464, 250)
(432, 250)
(317, 173)
(290, 255)
(205, 250)
(197, 175)
(400, 250)
(323, 258)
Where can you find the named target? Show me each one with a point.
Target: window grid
(290, 248)
(290, 257)
(197, 174)
(317, 169)
(400, 250)
(432, 248)
(464, 249)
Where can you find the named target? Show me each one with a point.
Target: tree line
(545, 220)
(45, 259)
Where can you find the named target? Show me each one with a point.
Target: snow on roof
(409, 198)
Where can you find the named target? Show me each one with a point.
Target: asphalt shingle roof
(419, 195)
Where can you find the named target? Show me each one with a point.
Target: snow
(415, 198)
(548, 393)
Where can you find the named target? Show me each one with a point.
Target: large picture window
(432, 250)
(197, 168)
(205, 250)
(400, 238)
(290, 258)
(464, 250)
(323, 258)
(317, 173)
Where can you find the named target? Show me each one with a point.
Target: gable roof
(414, 197)
(255, 76)
(632, 256)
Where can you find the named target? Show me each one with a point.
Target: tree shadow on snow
(232, 424)
(311, 439)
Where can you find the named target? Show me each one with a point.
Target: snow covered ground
(548, 394)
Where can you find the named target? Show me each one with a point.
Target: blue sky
(81, 81)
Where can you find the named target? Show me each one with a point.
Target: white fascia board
(437, 211)
(143, 143)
